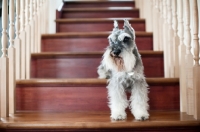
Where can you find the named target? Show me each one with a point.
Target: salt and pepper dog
(123, 67)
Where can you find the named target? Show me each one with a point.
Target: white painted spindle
(188, 60)
(17, 41)
(23, 39)
(175, 39)
(196, 68)
(170, 40)
(182, 52)
(28, 39)
(4, 88)
(11, 56)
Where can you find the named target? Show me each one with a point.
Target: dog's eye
(126, 39)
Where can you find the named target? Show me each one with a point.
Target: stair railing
(173, 23)
(28, 19)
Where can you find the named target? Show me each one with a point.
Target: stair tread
(95, 120)
(90, 34)
(70, 20)
(91, 9)
(88, 81)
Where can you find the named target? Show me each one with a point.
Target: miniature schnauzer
(123, 67)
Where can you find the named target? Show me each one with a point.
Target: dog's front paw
(142, 117)
(118, 116)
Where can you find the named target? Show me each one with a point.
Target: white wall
(53, 6)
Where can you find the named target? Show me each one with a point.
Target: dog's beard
(125, 62)
(119, 62)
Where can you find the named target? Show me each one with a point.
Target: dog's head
(122, 53)
(121, 40)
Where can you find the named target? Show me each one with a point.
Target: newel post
(4, 88)
(196, 67)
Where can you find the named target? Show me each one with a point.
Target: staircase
(64, 93)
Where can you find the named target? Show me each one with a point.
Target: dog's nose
(117, 52)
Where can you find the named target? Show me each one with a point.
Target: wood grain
(84, 65)
(62, 95)
(98, 121)
(119, 12)
(105, 3)
(90, 41)
(95, 24)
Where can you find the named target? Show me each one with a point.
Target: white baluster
(161, 21)
(196, 68)
(175, 39)
(32, 23)
(188, 60)
(11, 56)
(182, 52)
(17, 40)
(155, 25)
(4, 88)
(165, 44)
(28, 38)
(170, 40)
(23, 39)
(36, 26)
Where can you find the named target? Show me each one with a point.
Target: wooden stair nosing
(92, 34)
(100, 9)
(159, 121)
(96, 20)
(91, 81)
(97, 1)
(87, 54)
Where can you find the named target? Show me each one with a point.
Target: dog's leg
(139, 98)
(103, 73)
(117, 99)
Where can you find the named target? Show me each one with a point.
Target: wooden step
(88, 41)
(100, 12)
(95, 24)
(97, 3)
(164, 121)
(67, 95)
(84, 65)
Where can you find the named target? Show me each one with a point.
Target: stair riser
(102, 4)
(100, 14)
(66, 99)
(85, 44)
(95, 26)
(85, 67)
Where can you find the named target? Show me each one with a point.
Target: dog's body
(122, 65)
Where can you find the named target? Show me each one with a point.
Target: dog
(122, 65)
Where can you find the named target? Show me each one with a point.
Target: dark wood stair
(84, 64)
(64, 93)
(85, 95)
(97, 3)
(95, 121)
(95, 25)
(100, 12)
(88, 41)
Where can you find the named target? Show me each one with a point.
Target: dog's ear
(116, 26)
(128, 29)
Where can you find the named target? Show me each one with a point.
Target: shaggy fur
(123, 67)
